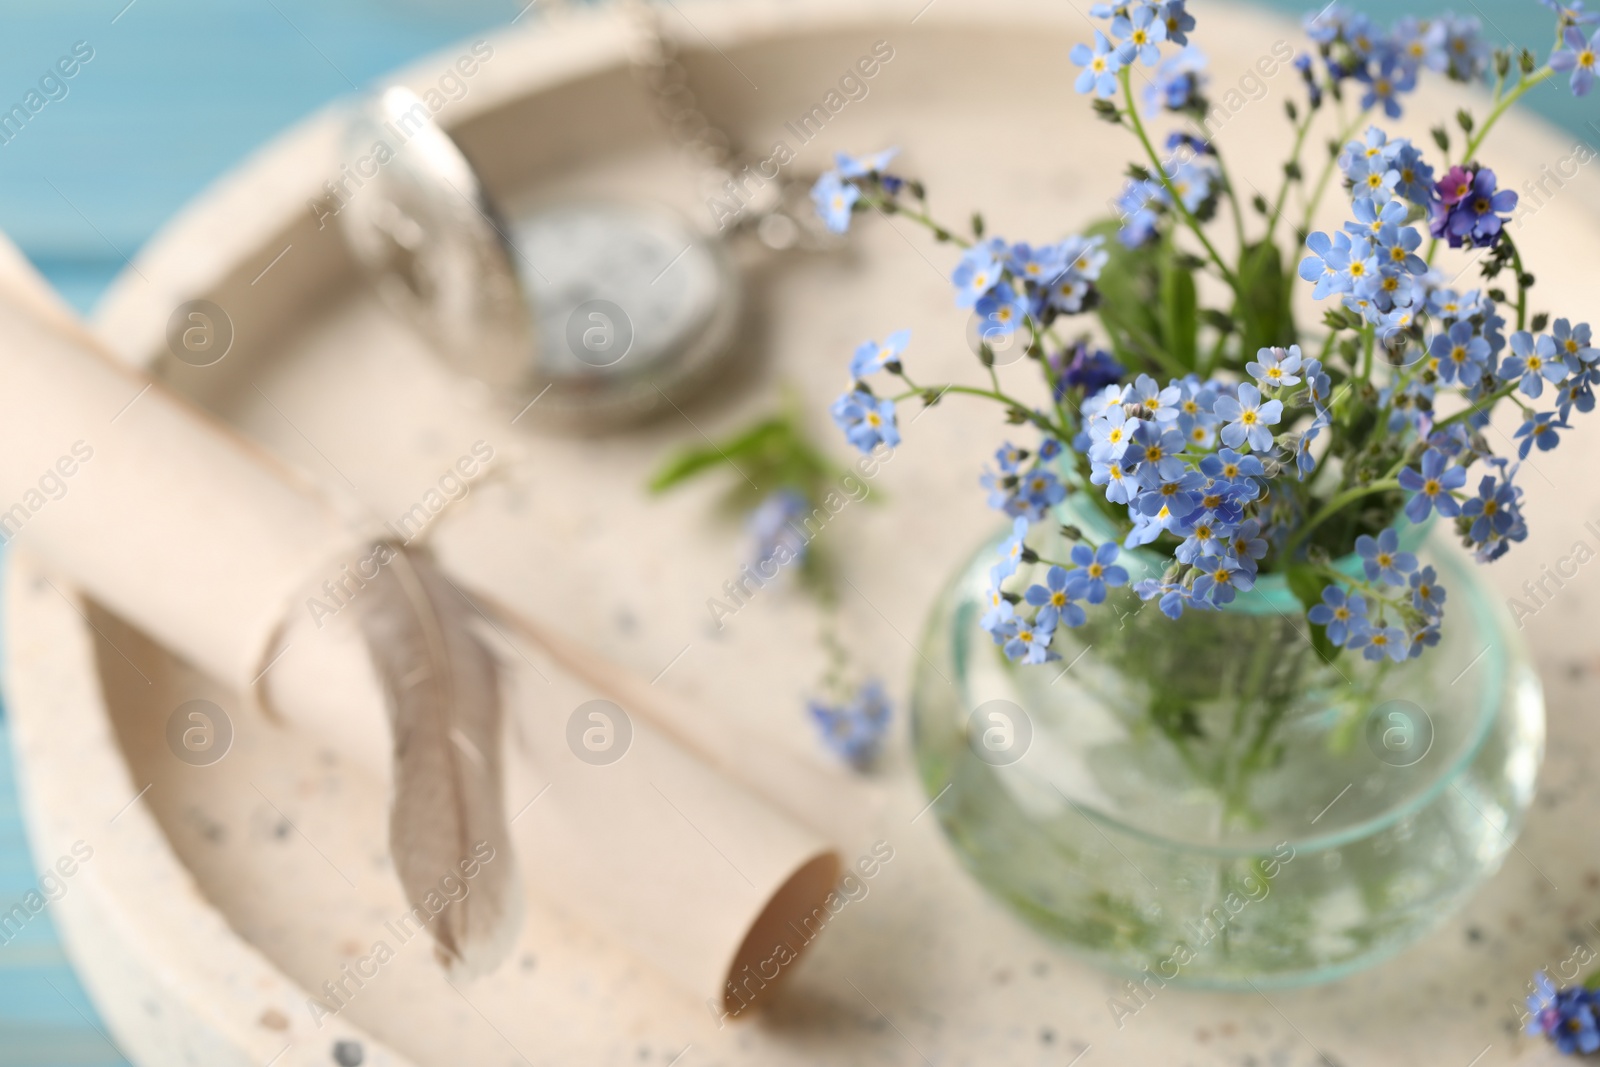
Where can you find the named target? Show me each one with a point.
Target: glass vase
(1213, 801)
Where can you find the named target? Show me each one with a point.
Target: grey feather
(442, 688)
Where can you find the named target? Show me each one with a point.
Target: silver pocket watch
(595, 309)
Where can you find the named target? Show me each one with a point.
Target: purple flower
(1090, 371)
(1566, 1016)
(1473, 216)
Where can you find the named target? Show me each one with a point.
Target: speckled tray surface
(221, 894)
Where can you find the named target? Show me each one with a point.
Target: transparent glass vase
(1213, 802)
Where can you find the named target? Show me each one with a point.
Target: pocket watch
(594, 309)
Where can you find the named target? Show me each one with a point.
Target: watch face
(619, 291)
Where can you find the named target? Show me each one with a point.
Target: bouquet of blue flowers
(1223, 436)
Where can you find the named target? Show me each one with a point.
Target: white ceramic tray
(218, 896)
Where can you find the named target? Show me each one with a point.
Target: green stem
(1327, 171)
(1294, 158)
(894, 207)
(1485, 404)
(1028, 413)
(1522, 290)
(1538, 77)
(1233, 198)
(1126, 76)
(1332, 508)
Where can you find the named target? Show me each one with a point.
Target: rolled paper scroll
(209, 545)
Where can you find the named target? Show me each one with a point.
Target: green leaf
(1265, 319)
(1593, 981)
(681, 466)
(1306, 583)
(1179, 312)
(1130, 302)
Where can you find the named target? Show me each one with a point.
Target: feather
(442, 689)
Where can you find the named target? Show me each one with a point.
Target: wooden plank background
(179, 91)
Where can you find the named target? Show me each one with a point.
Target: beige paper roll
(169, 521)
(207, 544)
(699, 876)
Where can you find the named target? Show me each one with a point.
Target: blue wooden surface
(179, 91)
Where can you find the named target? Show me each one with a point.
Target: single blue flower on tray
(855, 728)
